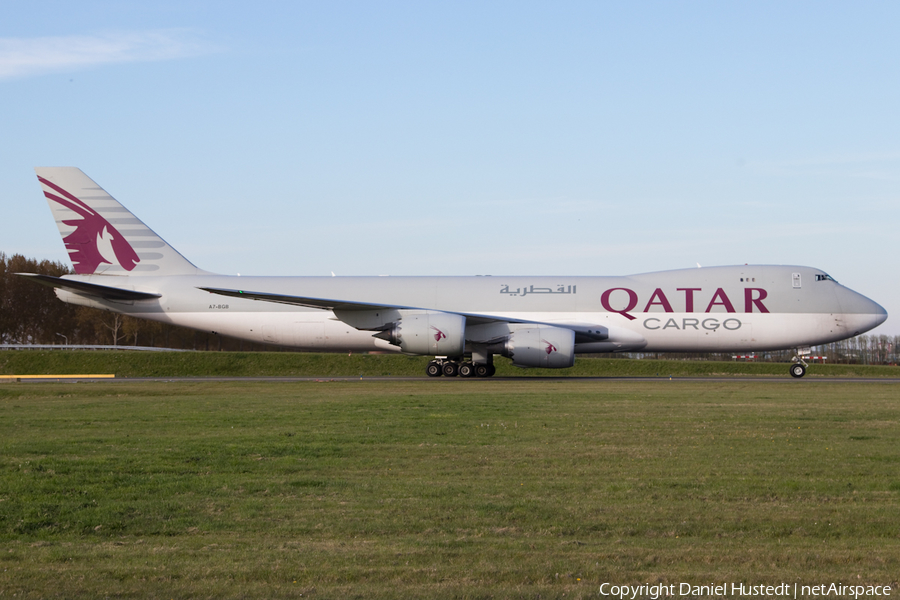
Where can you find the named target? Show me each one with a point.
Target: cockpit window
(824, 277)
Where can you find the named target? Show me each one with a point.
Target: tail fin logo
(439, 335)
(95, 241)
(550, 347)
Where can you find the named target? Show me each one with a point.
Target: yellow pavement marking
(17, 377)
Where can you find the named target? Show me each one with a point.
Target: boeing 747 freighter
(121, 265)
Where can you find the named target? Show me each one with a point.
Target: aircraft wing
(91, 289)
(323, 303)
(583, 332)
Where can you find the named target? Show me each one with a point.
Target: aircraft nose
(867, 313)
(878, 313)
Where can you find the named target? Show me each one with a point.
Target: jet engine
(541, 346)
(427, 332)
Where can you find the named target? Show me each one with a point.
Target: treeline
(32, 314)
(863, 350)
(859, 350)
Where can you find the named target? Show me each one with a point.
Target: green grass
(296, 364)
(454, 489)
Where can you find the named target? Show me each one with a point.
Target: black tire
(798, 370)
(450, 369)
(485, 370)
(434, 369)
(467, 369)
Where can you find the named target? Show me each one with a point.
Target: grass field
(466, 489)
(309, 364)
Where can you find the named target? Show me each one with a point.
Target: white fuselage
(746, 308)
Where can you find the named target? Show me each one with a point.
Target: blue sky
(410, 138)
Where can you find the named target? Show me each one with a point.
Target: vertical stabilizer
(101, 235)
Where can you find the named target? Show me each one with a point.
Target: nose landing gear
(798, 365)
(798, 369)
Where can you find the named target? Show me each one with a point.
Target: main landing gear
(452, 368)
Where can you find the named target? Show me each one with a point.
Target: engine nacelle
(541, 346)
(427, 332)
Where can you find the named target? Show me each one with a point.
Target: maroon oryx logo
(439, 335)
(94, 240)
(550, 347)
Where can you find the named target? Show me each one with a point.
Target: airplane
(121, 265)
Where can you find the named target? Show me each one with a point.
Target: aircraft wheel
(798, 370)
(434, 369)
(450, 369)
(485, 370)
(467, 369)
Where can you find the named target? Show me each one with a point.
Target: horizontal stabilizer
(91, 289)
